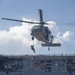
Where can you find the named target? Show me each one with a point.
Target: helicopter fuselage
(41, 33)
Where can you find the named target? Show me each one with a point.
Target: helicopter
(40, 32)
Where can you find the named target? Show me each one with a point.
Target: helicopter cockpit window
(36, 27)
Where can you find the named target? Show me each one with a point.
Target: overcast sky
(15, 37)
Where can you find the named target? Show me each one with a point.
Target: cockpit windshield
(35, 27)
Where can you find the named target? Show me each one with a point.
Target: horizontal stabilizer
(51, 45)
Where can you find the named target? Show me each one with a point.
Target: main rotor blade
(24, 21)
(41, 16)
(20, 21)
(65, 23)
